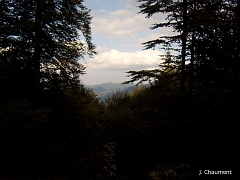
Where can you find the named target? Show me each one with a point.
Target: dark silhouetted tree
(41, 41)
(43, 104)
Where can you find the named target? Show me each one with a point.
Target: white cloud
(123, 22)
(124, 30)
(113, 59)
(101, 49)
(127, 23)
(112, 65)
(132, 5)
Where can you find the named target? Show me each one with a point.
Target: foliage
(208, 45)
(167, 72)
(165, 172)
(53, 127)
(40, 42)
(45, 113)
(109, 159)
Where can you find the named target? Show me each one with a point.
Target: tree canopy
(53, 127)
(206, 40)
(43, 103)
(42, 41)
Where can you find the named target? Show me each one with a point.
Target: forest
(53, 127)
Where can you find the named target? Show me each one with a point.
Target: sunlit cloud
(101, 49)
(114, 59)
(119, 23)
(128, 24)
(119, 31)
(122, 23)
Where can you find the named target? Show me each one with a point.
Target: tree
(43, 103)
(206, 38)
(177, 19)
(208, 81)
(164, 75)
(41, 40)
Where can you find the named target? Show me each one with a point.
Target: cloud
(101, 49)
(124, 22)
(113, 59)
(128, 24)
(121, 23)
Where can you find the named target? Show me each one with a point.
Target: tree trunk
(192, 52)
(37, 45)
(184, 40)
(237, 58)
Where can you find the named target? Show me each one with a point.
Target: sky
(118, 31)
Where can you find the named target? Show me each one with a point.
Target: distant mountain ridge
(107, 89)
(99, 89)
(112, 85)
